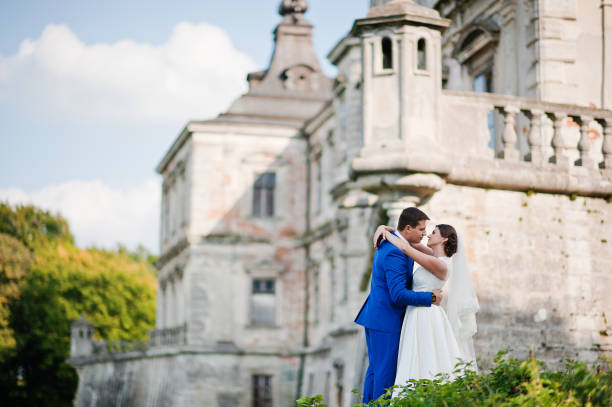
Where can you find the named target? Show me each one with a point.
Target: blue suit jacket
(390, 291)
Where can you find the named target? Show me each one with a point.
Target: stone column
(584, 145)
(509, 136)
(507, 75)
(559, 143)
(557, 54)
(367, 45)
(404, 71)
(536, 155)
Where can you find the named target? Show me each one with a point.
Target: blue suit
(382, 315)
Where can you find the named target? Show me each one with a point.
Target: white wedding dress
(427, 343)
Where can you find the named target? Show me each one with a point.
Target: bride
(434, 339)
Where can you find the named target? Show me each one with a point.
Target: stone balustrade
(500, 142)
(546, 124)
(168, 336)
(111, 347)
(83, 345)
(523, 144)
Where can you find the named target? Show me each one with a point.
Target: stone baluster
(536, 153)
(606, 147)
(584, 145)
(558, 142)
(509, 137)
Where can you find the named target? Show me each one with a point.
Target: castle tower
(294, 77)
(401, 76)
(81, 337)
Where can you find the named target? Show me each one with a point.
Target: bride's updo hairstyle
(449, 232)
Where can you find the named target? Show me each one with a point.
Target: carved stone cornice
(171, 253)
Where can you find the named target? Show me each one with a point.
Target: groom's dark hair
(410, 217)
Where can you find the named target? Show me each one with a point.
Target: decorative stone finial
(292, 7)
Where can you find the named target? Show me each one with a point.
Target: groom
(383, 312)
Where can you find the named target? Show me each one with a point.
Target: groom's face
(415, 234)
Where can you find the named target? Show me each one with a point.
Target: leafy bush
(15, 261)
(45, 284)
(33, 226)
(510, 383)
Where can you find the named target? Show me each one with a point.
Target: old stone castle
(491, 115)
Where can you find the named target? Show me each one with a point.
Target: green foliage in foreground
(46, 283)
(511, 383)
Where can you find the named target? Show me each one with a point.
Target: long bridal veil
(461, 304)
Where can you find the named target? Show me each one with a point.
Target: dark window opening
(421, 54)
(262, 391)
(387, 53)
(263, 286)
(263, 195)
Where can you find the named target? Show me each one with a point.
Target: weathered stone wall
(230, 246)
(183, 378)
(541, 266)
(220, 291)
(540, 263)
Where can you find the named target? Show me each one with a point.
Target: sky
(93, 93)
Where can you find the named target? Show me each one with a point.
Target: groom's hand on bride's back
(439, 296)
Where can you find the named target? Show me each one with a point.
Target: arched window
(422, 54)
(387, 53)
(475, 53)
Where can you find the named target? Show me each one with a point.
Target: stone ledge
(171, 351)
(525, 103)
(399, 172)
(522, 176)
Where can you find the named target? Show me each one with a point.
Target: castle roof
(293, 88)
(401, 11)
(82, 322)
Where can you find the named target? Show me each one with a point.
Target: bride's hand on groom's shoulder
(379, 235)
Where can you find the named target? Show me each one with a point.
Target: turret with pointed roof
(293, 88)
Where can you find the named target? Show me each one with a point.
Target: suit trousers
(382, 357)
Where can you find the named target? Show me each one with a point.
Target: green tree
(33, 226)
(15, 260)
(54, 285)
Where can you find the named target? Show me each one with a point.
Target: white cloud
(98, 214)
(196, 73)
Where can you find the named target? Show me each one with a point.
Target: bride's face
(435, 238)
